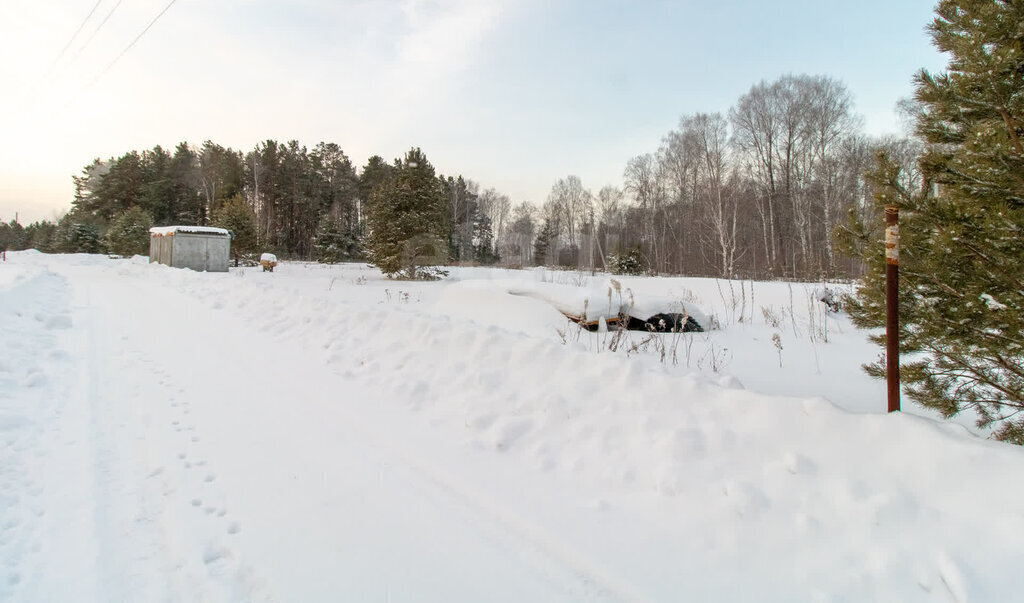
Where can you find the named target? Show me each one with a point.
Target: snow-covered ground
(319, 433)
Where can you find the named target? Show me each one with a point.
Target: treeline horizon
(757, 191)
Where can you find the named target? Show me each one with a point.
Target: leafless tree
(645, 182)
(719, 209)
(571, 202)
(496, 206)
(755, 131)
(760, 191)
(522, 229)
(790, 133)
(679, 160)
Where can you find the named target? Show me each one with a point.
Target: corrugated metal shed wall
(199, 251)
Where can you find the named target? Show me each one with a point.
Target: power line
(33, 90)
(96, 31)
(129, 47)
(75, 35)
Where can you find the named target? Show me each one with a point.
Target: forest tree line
(756, 191)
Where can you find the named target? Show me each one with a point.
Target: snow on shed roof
(170, 230)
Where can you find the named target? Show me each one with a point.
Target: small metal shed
(201, 248)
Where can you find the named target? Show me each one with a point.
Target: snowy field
(320, 433)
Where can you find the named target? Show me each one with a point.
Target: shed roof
(160, 231)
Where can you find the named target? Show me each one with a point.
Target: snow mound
(489, 303)
(607, 300)
(542, 308)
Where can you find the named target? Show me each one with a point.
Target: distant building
(201, 248)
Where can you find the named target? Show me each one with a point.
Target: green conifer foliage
(406, 221)
(83, 238)
(335, 243)
(962, 236)
(12, 236)
(128, 233)
(236, 215)
(42, 236)
(483, 241)
(542, 244)
(627, 262)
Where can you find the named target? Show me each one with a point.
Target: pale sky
(511, 93)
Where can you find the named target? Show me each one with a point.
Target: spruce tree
(406, 221)
(128, 233)
(483, 241)
(542, 244)
(83, 237)
(335, 243)
(236, 215)
(962, 236)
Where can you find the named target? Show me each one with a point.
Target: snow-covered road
(171, 436)
(212, 463)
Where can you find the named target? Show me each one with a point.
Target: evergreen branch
(1007, 120)
(971, 373)
(933, 279)
(1008, 366)
(1018, 284)
(982, 333)
(976, 377)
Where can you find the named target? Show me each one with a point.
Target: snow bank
(794, 488)
(606, 300)
(489, 304)
(592, 474)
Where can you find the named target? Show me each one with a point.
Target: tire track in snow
(39, 438)
(556, 562)
(580, 578)
(22, 389)
(576, 575)
(131, 548)
(133, 521)
(177, 504)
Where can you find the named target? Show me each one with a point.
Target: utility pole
(892, 307)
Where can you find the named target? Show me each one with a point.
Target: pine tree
(463, 210)
(156, 192)
(483, 241)
(12, 236)
(236, 215)
(220, 176)
(120, 188)
(186, 201)
(406, 221)
(41, 236)
(128, 233)
(962, 236)
(374, 173)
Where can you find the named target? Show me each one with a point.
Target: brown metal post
(892, 307)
